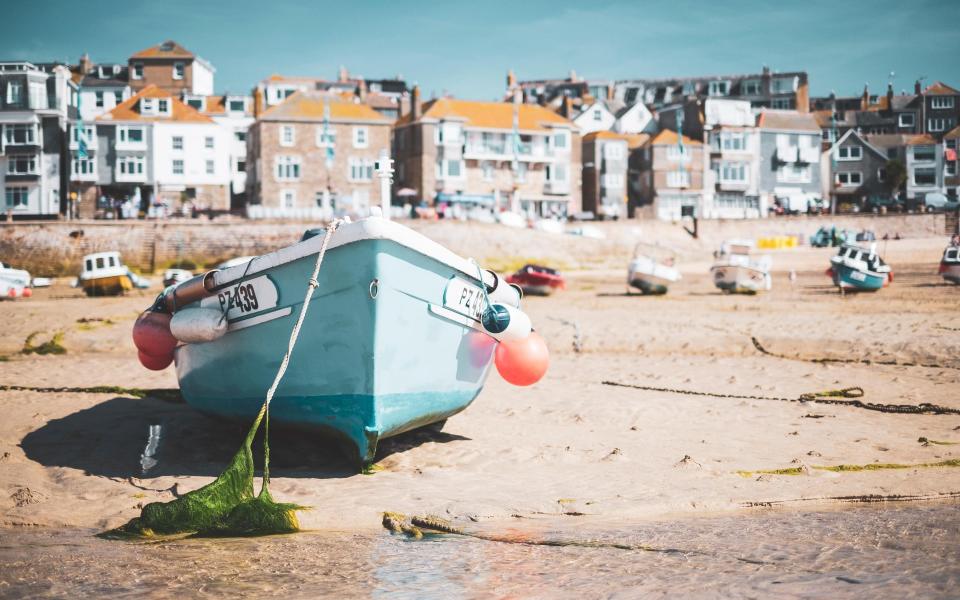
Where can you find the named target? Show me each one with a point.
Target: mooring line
(166, 394)
(856, 499)
(861, 361)
(826, 397)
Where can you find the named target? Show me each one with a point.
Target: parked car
(937, 201)
(883, 204)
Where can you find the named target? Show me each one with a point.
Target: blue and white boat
(392, 340)
(859, 269)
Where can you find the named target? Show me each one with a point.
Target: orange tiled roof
(310, 107)
(792, 120)
(180, 112)
(606, 135)
(667, 138)
(922, 139)
(215, 105)
(939, 88)
(160, 51)
(491, 115)
(635, 140)
(953, 134)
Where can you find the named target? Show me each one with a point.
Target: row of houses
(151, 134)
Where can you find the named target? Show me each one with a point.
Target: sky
(465, 49)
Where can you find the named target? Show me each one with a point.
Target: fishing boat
(537, 280)
(392, 340)
(651, 275)
(175, 276)
(737, 272)
(859, 269)
(104, 274)
(950, 263)
(14, 283)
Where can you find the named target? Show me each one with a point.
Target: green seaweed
(225, 507)
(52, 346)
(953, 462)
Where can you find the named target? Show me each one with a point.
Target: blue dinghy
(859, 269)
(392, 340)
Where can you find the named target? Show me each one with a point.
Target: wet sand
(569, 450)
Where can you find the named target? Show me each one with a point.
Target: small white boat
(14, 283)
(650, 275)
(950, 264)
(512, 219)
(737, 272)
(175, 276)
(104, 274)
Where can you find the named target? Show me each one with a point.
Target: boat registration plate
(244, 298)
(465, 298)
(858, 276)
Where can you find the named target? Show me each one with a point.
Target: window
(210, 167)
(924, 177)
(240, 135)
(196, 103)
(793, 173)
(177, 167)
(849, 178)
(557, 173)
(830, 135)
(288, 199)
(718, 88)
(241, 166)
(521, 172)
(83, 166)
(178, 142)
(678, 153)
(146, 106)
(131, 135)
(137, 71)
(18, 197)
(488, 170)
(613, 151)
(22, 165)
(561, 140)
(130, 165)
(288, 168)
(359, 169)
(163, 106)
(882, 174)
(678, 179)
(208, 142)
(326, 139)
(359, 137)
(15, 93)
(782, 103)
(99, 99)
(236, 106)
(86, 134)
(14, 134)
(939, 124)
(117, 98)
(750, 88)
(178, 70)
(906, 120)
(447, 133)
(597, 115)
(950, 168)
(924, 153)
(941, 102)
(735, 141)
(783, 85)
(849, 153)
(733, 172)
(286, 135)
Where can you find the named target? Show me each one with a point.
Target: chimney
(802, 97)
(916, 87)
(343, 74)
(766, 71)
(609, 91)
(890, 96)
(865, 98)
(573, 75)
(362, 91)
(511, 80)
(568, 107)
(415, 103)
(85, 64)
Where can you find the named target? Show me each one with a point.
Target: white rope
(311, 286)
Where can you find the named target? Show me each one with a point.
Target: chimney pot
(415, 103)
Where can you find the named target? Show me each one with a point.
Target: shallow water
(898, 552)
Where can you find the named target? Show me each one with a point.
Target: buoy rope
(844, 397)
(312, 285)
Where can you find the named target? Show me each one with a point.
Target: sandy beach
(570, 448)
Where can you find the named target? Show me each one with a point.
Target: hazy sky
(466, 48)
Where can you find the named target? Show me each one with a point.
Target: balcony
(556, 187)
(735, 185)
(504, 152)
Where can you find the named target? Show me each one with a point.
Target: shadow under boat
(111, 439)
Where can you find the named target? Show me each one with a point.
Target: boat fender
(523, 361)
(198, 325)
(504, 322)
(501, 292)
(154, 342)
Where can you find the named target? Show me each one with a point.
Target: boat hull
(112, 285)
(375, 357)
(649, 284)
(950, 272)
(848, 278)
(738, 279)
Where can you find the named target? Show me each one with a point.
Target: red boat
(536, 280)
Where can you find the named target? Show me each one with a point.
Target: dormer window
(196, 103)
(719, 88)
(689, 88)
(147, 106)
(167, 46)
(237, 105)
(137, 71)
(101, 73)
(163, 106)
(178, 69)
(116, 69)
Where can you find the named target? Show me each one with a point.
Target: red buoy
(27, 292)
(522, 361)
(155, 363)
(151, 334)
